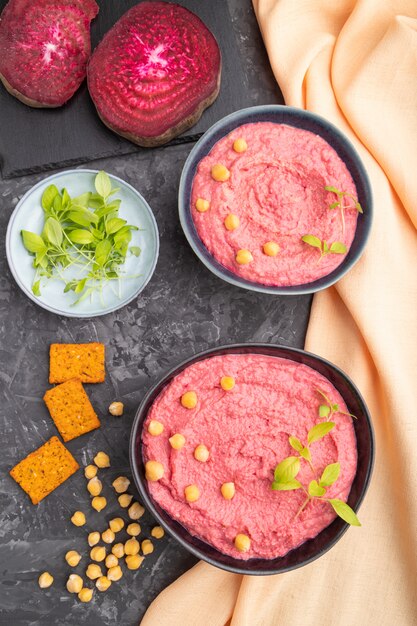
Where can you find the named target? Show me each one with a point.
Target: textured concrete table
(183, 310)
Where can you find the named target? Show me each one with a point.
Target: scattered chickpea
(154, 470)
(120, 484)
(114, 573)
(98, 553)
(242, 542)
(231, 221)
(45, 580)
(192, 493)
(202, 205)
(118, 550)
(74, 583)
(133, 530)
(243, 257)
(136, 511)
(220, 173)
(124, 500)
(157, 532)
(177, 441)
(155, 428)
(228, 490)
(85, 594)
(134, 561)
(111, 561)
(116, 524)
(201, 453)
(102, 460)
(271, 248)
(147, 546)
(227, 383)
(108, 536)
(103, 583)
(94, 486)
(93, 539)
(189, 399)
(132, 546)
(93, 571)
(73, 558)
(99, 503)
(240, 145)
(78, 519)
(90, 471)
(116, 409)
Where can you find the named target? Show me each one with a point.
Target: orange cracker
(45, 469)
(71, 409)
(84, 361)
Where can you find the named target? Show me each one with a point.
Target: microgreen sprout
(340, 203)
(327, 410)
(337, 247)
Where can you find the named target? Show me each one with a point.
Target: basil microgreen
(337, 247)
(340, 203)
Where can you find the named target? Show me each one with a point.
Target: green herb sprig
(326, 411)
(85, 234)
(340, 204)
(337, 247)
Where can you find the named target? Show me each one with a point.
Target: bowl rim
(148, 501)
(208, 260)
(50, 307)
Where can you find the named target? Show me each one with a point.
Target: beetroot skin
(154, 73)
(44, 49)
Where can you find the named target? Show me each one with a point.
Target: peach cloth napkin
(355, 63)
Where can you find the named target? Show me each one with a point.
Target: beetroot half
(44, 49)
(154, 73)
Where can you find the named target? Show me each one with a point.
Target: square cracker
(45, 469)
(84, 361)
(71, 409)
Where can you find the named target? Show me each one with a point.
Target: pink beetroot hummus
(277, 189)
(246, 431)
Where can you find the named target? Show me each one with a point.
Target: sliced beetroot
(44, 49)
(154, 73)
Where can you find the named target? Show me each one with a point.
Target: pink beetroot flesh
(45, 46)
(155, 68)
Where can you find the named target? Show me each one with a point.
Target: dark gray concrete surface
(183, 310)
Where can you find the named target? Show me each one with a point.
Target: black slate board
(33, 140)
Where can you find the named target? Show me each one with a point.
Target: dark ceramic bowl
(311, 549)
(292, 117)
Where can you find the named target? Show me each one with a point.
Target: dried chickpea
(243, 257)
(85, 594)
(98, 553)
(157, 532)
(78, 519)
(240, 145)
(74, 583)
(103, 583)
(99, 503)
(116, 524)
(134, 561)
(201, 453)
(231, 221)
(45, 580)
(155, 428)
(118, 550)
(124, 500)
(177, 441)
(108, 536)
(154, 470)
(93, 571)
(270, 248)
(94, 486)
(228, 490)
(102, 460)
(116, 409)
(132, 546)
(93, 539)
(120, 484)
(242, 542)
(111, 561)
(227, 383)
(189, 399)
(73, 558)
(133, 530)
(220, 173)
(114, 573)
(202, 205)
(136, 511)
(192, 493)
(147, 546)
(90, 471)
